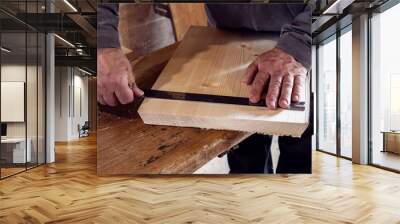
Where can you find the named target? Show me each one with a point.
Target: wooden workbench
(125, 145)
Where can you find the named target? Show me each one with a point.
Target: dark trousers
(253, 155)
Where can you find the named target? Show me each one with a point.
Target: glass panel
(13, 90)
(13, 87)
(32, 99)
(41, 99)
(385, 89)
(346, 94)
(32, 89)
(23, 82)
(327, 96)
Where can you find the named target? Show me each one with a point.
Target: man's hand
(115, 80)
(286, 78)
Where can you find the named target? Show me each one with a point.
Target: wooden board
(185, 15)
(212, 61)
(128, 146)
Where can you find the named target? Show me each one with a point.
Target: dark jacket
(292, 21)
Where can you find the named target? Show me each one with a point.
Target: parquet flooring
(70, 192)
(5, 172)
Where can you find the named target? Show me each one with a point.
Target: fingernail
(253, 98)
(272, 103)
(285, 103)
(140, 92)
(137, 91)
(295, 97)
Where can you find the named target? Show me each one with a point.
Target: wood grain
(128, 146)
(186, 15)
(69, 191)
(212, 61)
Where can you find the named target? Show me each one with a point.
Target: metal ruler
(208, 98)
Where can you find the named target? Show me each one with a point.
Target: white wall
(62, 81)
(69, 82)
(78, 118)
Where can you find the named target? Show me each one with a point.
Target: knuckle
(295, 92)
(286, 95)
(124, 101)
(288, 82)
(115, 83)
(298, 87)
(259, 81)
(254, 92)
(271, 98)
(251, 66)
(275, 84)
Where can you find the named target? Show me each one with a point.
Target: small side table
(15, 149)
(391, 141)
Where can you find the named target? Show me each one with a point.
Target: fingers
(298, 87)
(101, 100)
(258, 87)
(251, 72)
(286, 91)
(110, 99)
(114, 75)
(123, 93)
(136, 90)
(273, 91)
(132, 84)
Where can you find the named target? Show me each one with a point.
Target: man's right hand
(115, 80)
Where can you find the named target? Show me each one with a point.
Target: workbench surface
(125, 145)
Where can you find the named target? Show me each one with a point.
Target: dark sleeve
(296, 38)
(107, 26)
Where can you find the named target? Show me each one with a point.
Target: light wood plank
(186, 15)
(211, 61)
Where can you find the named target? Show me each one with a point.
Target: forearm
(107, 26)
(296, 38)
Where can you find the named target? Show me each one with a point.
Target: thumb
(136, 90)
(132, 84)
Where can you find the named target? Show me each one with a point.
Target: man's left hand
(286, 79)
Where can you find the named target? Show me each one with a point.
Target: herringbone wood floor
(70, 192)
